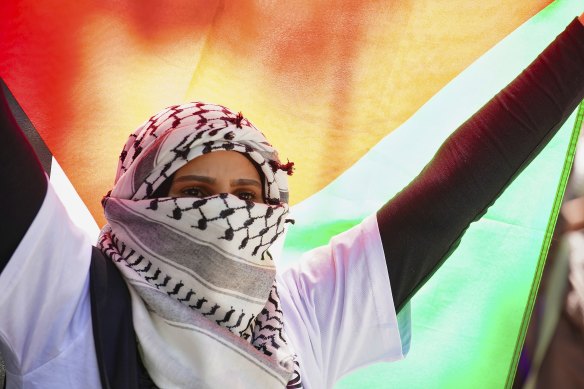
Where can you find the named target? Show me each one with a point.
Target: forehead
(219, 164)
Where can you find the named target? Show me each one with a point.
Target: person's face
(218, 172)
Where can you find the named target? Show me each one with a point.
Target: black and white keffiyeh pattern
(205, 305)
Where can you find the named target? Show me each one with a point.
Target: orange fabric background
(324, 80)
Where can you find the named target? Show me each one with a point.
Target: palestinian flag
(358, 94)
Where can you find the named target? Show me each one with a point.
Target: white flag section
(77, 210)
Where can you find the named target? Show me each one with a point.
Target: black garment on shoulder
(116, 349)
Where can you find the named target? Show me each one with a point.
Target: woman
(183, 292)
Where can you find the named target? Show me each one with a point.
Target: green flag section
(469, 320)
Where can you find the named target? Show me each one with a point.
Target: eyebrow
(211, 180)
(191, 177)
(245, 181)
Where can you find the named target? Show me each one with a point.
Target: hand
(582, 19)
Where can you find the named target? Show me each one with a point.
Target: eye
(192, 192)
(247, 195)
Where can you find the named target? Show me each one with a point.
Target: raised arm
(422, 224)
(23, 183)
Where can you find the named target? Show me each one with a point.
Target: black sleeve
(24, 184)
(423, 223)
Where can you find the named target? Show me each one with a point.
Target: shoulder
(338, 308)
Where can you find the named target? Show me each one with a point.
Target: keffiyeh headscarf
(205, 306)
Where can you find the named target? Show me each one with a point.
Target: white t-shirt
(338, 309)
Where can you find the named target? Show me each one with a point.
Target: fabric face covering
(205, 306)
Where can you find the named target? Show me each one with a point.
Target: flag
(346, 90)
